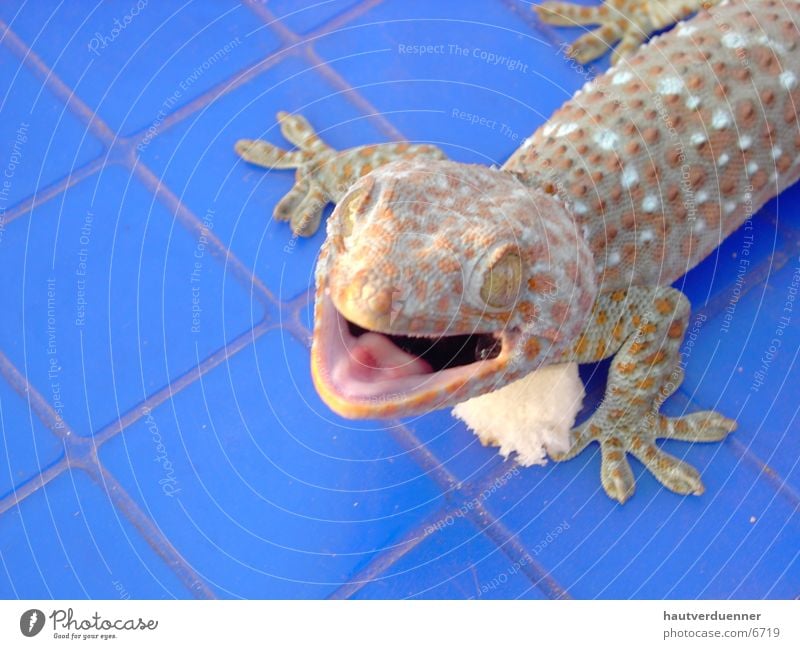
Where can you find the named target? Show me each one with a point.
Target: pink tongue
(375, 357)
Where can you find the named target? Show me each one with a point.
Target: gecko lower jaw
(361, 373)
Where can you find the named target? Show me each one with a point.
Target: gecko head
(440, 281)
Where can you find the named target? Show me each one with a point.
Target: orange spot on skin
(637, 347)
(532, 348)
(664, 306)
(646, 383)
(675, 330)
(541, 283)
(657, 358)
(617, 296)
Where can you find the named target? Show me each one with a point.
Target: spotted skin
(642, 328)
(653, 163)
(671, 150)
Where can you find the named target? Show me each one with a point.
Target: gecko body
(441, 281)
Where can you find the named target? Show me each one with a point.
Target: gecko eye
(502, 280)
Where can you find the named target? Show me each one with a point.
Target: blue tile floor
(160, 434)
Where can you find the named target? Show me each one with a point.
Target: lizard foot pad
(617, 439)
(627, 22)
(364, 373)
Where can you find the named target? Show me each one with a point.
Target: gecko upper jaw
(364, 373)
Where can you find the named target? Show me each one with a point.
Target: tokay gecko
(441, 281)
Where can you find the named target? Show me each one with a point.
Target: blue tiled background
(150, 451)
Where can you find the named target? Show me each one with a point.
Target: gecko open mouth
(363, 373)
(439, 352)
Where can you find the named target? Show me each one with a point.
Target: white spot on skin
(752, 167)
(549, 129)
(566, 129)
(777, 152)
(685, 30)
(734, 40)
(723, 160)
(670, 86)
(788, 80)
(613, 259)
(699, 225)
(693, 102)
(720, 119)
(621, 77)
(645, 236)
(701, 196)
(606, 140)
(744, 142)
(729, 207)
(775, 45)
(629, 177)
(650, 203)
(580, 208)
(697, 139)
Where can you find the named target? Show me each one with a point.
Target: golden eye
(501, 282)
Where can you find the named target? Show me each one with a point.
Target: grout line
(242, 77)
(347, 16)
(486, 523)
(385, 560)
(508, 543)
(51, 191)
(781, 484)
(159, 543)
(426, 459)
(323, 67)
(190, 222)
(54, 83)
(287, 36)
(33, 485)
(222, 88)
(428, 527)
(293, 323)
(355, 98)
(188, 219)
(182, 382)
(36, 401)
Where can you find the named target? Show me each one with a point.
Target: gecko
(440, 281)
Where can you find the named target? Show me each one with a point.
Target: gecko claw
(323, 174)
(627, 22)
(617, 439)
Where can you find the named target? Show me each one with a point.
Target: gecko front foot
(643, 328)
(627, 22)
(635, 435)
(323, 174)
